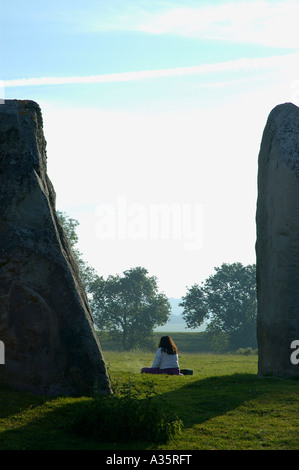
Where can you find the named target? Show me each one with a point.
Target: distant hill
(175, 309)
(176, 322)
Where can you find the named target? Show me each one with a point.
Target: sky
(153, 114)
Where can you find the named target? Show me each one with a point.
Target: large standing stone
(45, 319)
(277, 244)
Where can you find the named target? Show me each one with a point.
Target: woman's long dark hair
(167, 345)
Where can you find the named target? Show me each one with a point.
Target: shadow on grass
(17, 402)
(201, 400)
(195, 402)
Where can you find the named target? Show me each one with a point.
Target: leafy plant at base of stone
(128, 415)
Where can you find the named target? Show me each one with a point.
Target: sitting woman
(166, 359)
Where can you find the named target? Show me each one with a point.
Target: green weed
(130, 414)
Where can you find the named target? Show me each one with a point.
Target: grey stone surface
(277, 243)
(45, 319)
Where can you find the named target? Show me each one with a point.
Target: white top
(164, 360)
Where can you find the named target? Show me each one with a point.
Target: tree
(129, 306)
(87, 273)
(69, 225)
(227, 300)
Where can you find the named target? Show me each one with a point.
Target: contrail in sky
(243, 64)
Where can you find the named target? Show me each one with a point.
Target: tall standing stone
(45, 320)
(277, 244)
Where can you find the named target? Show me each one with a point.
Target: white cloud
(243, 64)
(256, 22)
(263, 22)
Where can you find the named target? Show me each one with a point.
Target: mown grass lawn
(224, 405)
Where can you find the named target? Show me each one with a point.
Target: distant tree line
(129, 306)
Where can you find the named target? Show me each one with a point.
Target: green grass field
(224, 405)
(187, 341)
